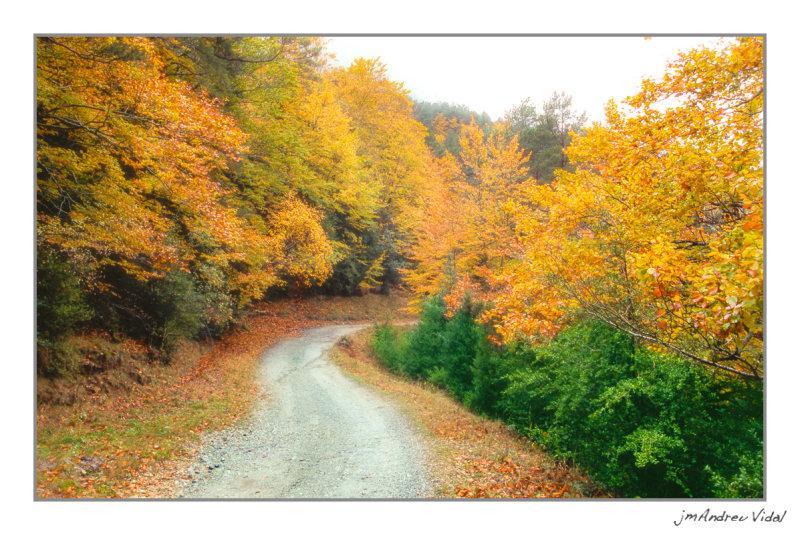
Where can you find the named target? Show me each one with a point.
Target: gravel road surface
(315, 434)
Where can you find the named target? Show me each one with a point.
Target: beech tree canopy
(231, 169)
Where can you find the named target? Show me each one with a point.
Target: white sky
(492, 74)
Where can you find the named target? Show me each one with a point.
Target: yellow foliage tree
(659, 230)
(132, 162)
(303, 250)
(464, 229)
(126, 155)
(394, 159)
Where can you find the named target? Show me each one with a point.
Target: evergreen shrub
(642, 423)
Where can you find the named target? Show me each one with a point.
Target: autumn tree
(300, 145)
(115, 147)
(391, 148)
(658, 232)
(131, 188)
(342, 140)
(464, 230)
(126, 158)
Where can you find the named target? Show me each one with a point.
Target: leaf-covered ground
(127, 431)
(472, 457)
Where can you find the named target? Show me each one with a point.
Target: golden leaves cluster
(659, 230)
(125, 153)
(464, 230)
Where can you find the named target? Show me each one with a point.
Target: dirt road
(316, 434)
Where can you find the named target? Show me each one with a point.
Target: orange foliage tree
(130, 171)
(658, 232)
(126, 158)
(119, 143)
(464, 231)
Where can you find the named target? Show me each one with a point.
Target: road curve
(315, 434)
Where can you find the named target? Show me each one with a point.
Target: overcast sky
(492, 74)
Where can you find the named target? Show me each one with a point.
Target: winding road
(317, 433)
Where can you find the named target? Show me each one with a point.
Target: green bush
(644, 424)
(747, 482)
(390, 347)
(163, 310)
(425, 342)
(159, 310)
(489, 380)
(449, 351)
(176, 307)
(641, 423)
(460, 342)
(61, 305)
